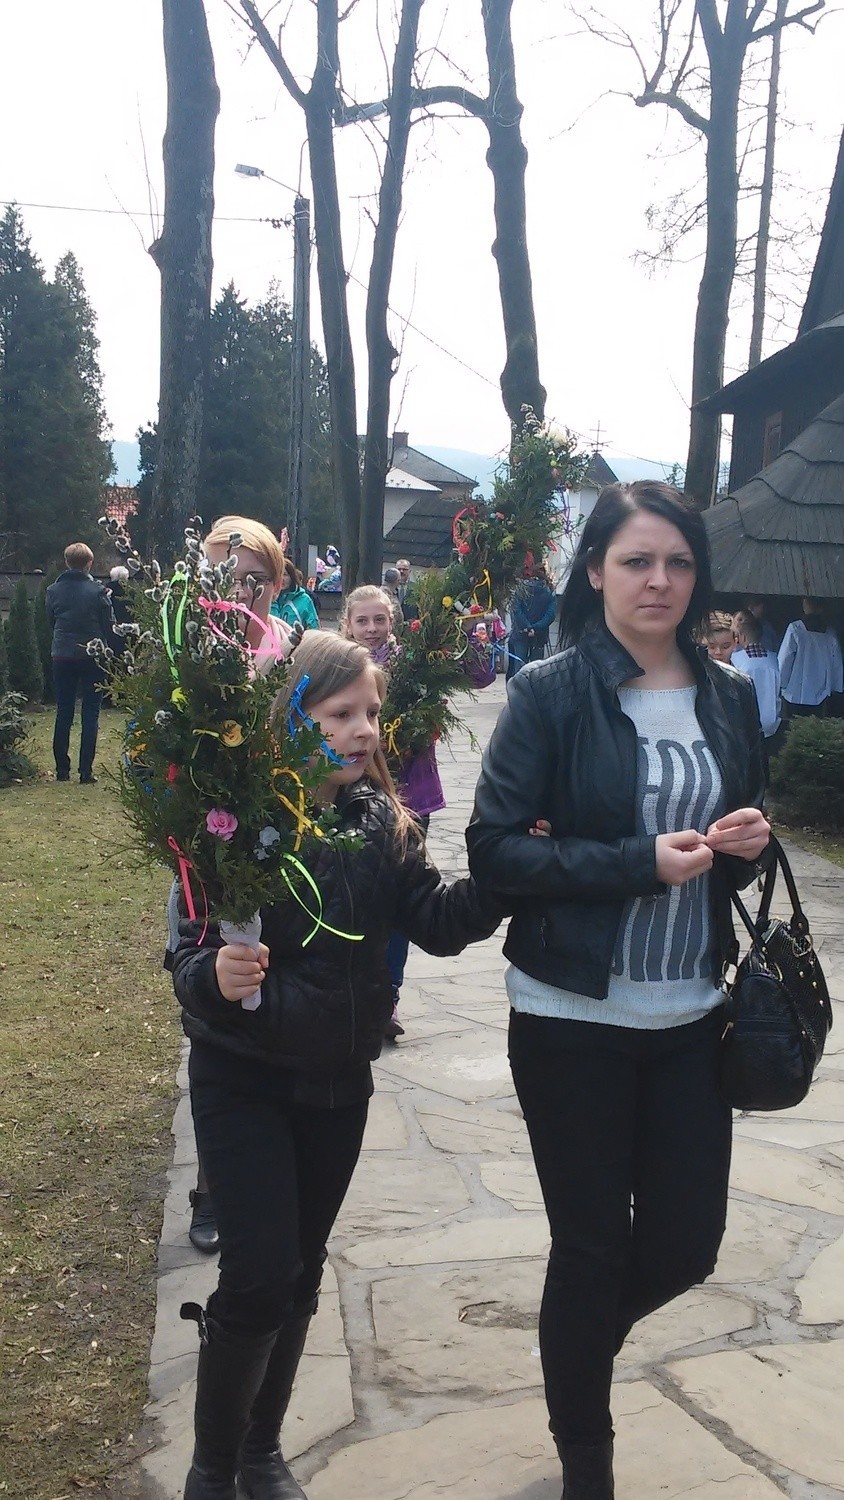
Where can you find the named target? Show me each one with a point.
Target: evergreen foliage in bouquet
(211, 789)
(496, 540)
(15, 764)
(424, 670)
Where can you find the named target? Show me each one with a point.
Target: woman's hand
(541, 828)
(240, 969)
(744, 833)
(682, 856)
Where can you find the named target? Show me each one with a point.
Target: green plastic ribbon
(316, 918)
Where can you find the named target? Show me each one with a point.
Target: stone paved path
(422, 1374)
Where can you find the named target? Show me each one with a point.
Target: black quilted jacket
(324, 1007)
(564, 750)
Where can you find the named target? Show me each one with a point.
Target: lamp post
(298, 473)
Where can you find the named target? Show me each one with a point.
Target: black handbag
(778, 1008)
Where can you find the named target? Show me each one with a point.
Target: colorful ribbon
(226, 607)
(306, 722)
(303, 823)
(350, 937)
(185, 866)
(389, 732)
(485, 583)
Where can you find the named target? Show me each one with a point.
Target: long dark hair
(582, 606)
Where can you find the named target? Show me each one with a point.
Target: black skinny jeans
(277, 1174)
(618, 1117)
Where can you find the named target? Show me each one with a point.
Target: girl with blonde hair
(280, 1095)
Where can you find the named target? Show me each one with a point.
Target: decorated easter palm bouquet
(212, 789)
(496, 541)
(425, 669)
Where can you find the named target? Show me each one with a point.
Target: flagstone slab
(515, 1181)
(465, 1332)
(518, 1235)
(505, 1453)
(824, 1101)
(758, 1243)
(783, 1400)
(821, 1290)
(471, 1066)
(798, 1135)
(385, 1127)
(476, 1131)
(400, 1194)
(695, 1318)
(787, 1177)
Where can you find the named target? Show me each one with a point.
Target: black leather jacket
(324, 1007)
(79, 610)
(564, 750)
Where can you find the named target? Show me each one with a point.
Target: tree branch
(273, 52)
(673, 101)
(798, 19)
(471, 104)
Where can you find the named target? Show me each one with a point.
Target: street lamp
(298, 474)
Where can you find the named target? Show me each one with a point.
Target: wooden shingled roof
(423, 534)
(782, 533)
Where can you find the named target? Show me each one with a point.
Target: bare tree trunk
(318, 105)
(331, 274)
(507, 161)
(381, 353)
(760, 270)
(183, 255)
(726, 60)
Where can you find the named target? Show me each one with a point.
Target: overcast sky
(82, 116)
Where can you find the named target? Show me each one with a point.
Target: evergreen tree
(44, 635)
(25, 674)
(54, 459)
(4, 661)
(247, 424)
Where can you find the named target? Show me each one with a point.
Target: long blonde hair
(332, 663)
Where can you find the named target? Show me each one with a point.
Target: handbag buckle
(801, 947)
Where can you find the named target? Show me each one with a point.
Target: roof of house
(825, 297)
(399, 479)
(598, 473)
(814, 345)
(423, 533)
(121, 501)
(421, 466)
(783, 532)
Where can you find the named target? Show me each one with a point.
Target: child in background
(368, 619)
(763, 669)
(718, 638)
(280, 1095)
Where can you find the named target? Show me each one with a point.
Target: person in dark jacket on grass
(533, 609)
(644, 760)
(279, 1094)
(79, 611)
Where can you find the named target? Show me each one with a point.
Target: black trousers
(632, 1147)
(277, 1174)
(71, 680)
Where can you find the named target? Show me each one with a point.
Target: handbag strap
(798, 917)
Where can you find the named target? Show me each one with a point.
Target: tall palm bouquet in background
(211, 788)
(425, 670)
(497, 541)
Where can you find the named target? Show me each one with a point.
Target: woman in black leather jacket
(641, 760)
(279, 1094)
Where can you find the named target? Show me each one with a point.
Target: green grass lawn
(88, 1050)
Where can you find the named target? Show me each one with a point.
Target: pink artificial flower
(221, 823)
(415, 625)
(172, 773)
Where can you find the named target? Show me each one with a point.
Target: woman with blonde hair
(279, 1095)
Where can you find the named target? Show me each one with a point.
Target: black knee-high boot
(263, 1471)
(587, 1470)
(228, 1377)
